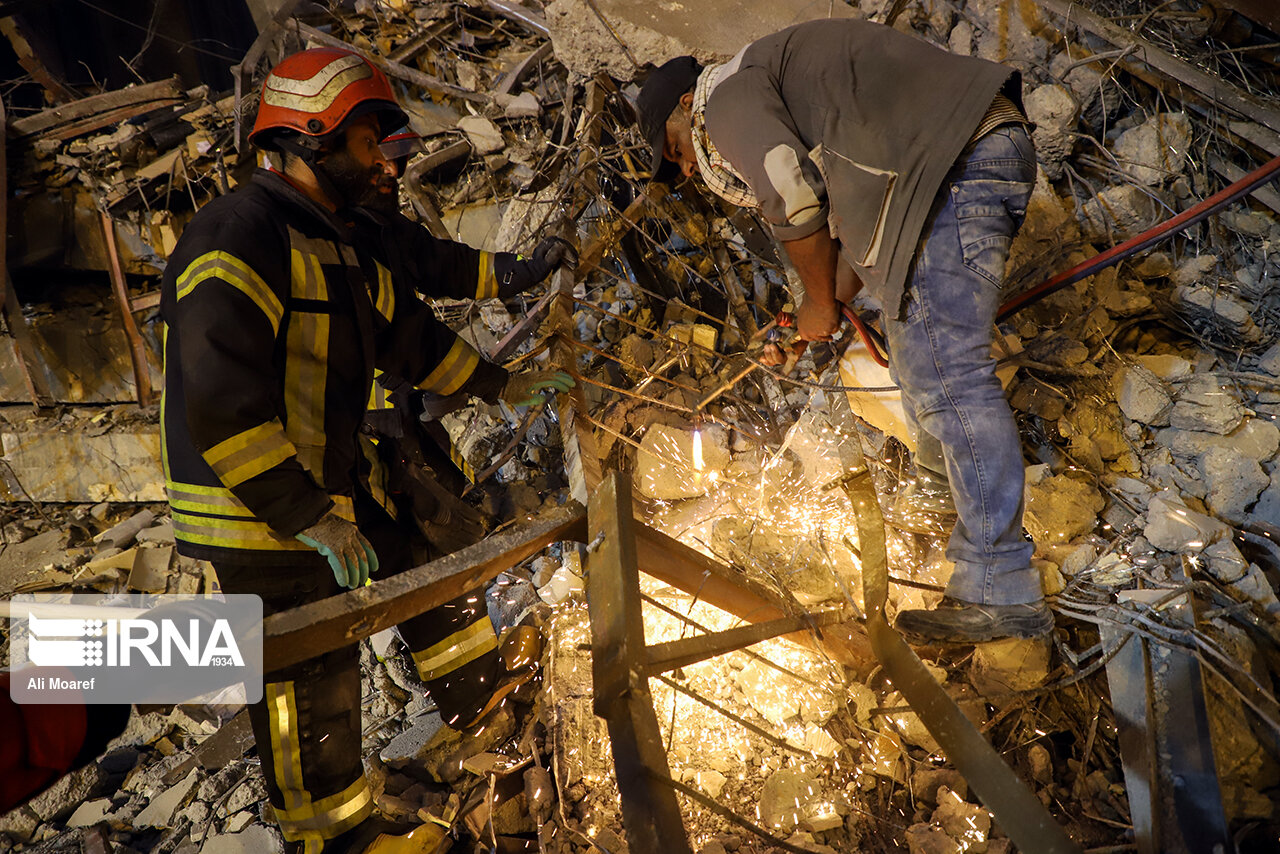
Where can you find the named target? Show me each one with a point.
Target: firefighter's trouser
(308, 723)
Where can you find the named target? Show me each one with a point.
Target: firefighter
(882, 161)
(279, 307)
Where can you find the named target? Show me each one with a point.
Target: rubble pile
(1147, 394)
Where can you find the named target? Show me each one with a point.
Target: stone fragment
(256, 839)
(1174, 527)
(803, 840)
(923, 838)
(561, 587)
(807, 567)
(1270, 360)
(1206, 404)
(1053, 109)
(1013, 664)
(1141, 395)
(1166, 366)
(1267, 508)
(785, 796)
(239, 821)
(666, 465)
(90, 813)
(19, 824)
(968, 824)
(524, 105)
(1246, 580)
(1155, 150)
(247, 794)
(1233, 481)
(443, 757)
(160, 812)
(539, 792)
(484, 135)
(1119, 212)
(1061, 508)
(909, 726)
(926, 782)
(1041, 764)
(1221, 308)
(813, 440)
(711, 782)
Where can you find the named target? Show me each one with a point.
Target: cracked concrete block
(1141, 394)
(1233, 482)
(1206, 404)
(1155, 150)
(1060, 509)
(19, 825)
(1120, 212)
(1174, 527)
(122, 465)
(968, 824)
(485, 137)
(1220, 308)
(1053, 109)
(924, 838)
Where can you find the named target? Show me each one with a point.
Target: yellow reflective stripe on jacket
(379, 398)
(454, 369)
(231, 533)
(458, 649)
(307, 348)
(230, 269)
(250, 453)
(461, 462)
(487, 281)
(210, 500)
(386, 301)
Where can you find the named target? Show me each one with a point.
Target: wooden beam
(137, 349)
(27, 58)
(650, 813)
(88, 114)
(1180, 71)
(311, 630)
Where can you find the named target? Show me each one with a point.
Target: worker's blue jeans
(941, 358)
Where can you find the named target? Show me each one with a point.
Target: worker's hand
(527, 389)
(349, 554)
(772, 355)
(816, 321)
(552, 252)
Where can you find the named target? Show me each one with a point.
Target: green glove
(526, 389)
(350, 556)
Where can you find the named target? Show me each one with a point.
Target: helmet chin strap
(308, 150)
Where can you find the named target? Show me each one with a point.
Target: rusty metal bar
(650, 812)
(329, 624)
(137, 349)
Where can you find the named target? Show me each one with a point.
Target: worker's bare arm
(815, 258)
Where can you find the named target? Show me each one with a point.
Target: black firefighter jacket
(277, 316)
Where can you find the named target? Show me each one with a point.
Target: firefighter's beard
(362, 186)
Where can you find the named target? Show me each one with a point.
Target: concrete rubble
(1147, 395)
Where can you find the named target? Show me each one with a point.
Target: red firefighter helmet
(317, 91)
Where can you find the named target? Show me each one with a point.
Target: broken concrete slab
(1207, 404)
(1174, 527)
(1007, 666)
(1255, 439)
(122, 465)
(654, 33)
(256, 839)
(1141, 395)
(161, 811)
(90, 813)
(484, 136)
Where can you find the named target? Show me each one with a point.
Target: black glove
(552, 252)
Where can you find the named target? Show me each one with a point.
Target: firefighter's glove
(527, 389)
(349, 554)
(552, 252)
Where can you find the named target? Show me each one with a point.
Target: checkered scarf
(719, 174)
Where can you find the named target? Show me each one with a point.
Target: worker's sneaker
(954, 621)
(923, 506)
